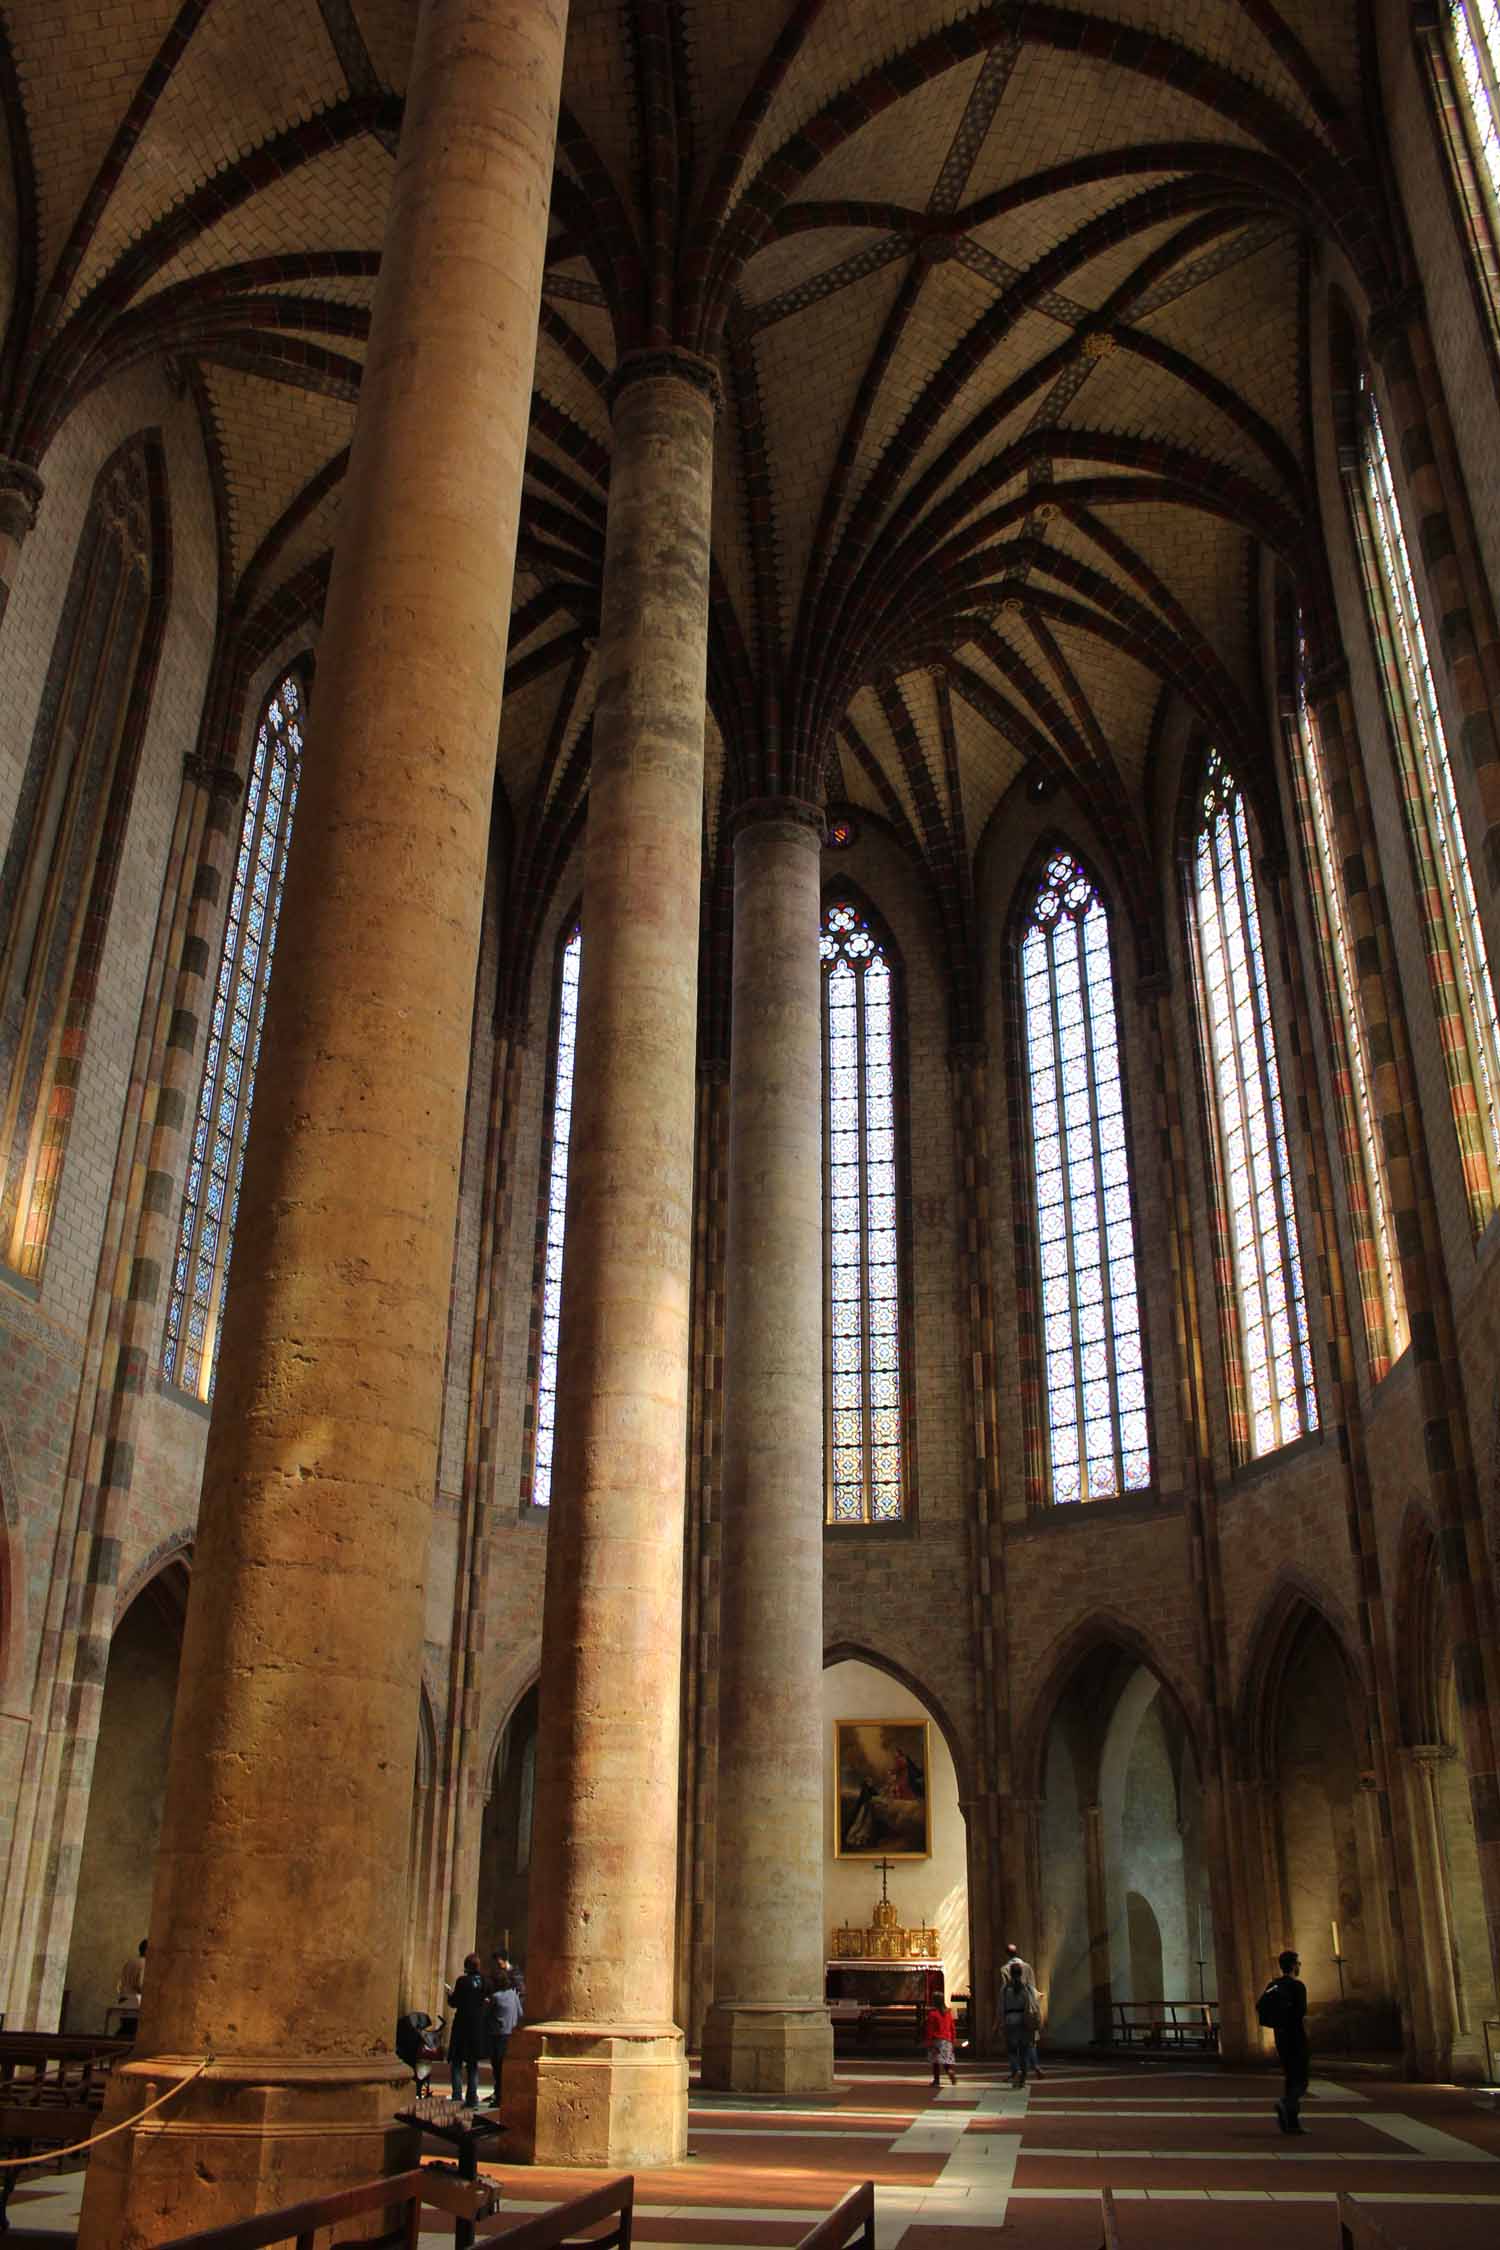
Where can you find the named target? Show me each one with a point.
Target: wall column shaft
(599, 2076)
(278, 1917)
(768, 2029)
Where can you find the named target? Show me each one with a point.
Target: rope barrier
(55, 2155)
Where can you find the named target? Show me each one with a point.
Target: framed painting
(881, 1804)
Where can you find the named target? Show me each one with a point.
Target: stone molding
(663, 362)
(764, 812)
(219, 777)
(1327, 680)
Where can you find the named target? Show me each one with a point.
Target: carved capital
(20, 497)
(1155, 986)
(663, 362)
(1431, 1754)
(764, 812)
(1327, 680)
(219, 777)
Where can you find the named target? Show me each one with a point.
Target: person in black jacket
(467, 2038)
(1289, 2028)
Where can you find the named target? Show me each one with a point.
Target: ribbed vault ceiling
(1009, 301)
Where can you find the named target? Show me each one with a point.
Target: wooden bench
(851, 2220)
(1358, 2231)
(1167, 2023)
(551, 2230)
(406, 2194)
(51, 2093)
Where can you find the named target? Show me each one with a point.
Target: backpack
(1271, 2007)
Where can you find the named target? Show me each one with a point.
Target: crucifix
(886, 1866)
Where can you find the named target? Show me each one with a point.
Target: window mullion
(1065, 1164)
(1281, 1177)
(1106, 1289)
(1257, 1280)
(866, 1456)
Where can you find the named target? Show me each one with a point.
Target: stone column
(599, 2076)
(277, 1923)
(1096, 1895)
(768, 2030)
(20, 497)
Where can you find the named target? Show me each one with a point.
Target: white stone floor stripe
(1328, 2086)
(1271, 2155)
(1241, 2195)
(771, 2131)
(1428, 2140)
(973, 2187)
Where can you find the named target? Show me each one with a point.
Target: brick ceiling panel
(713, 783)
(570, 388)
(725, 50)
(248, 72)
(810, 370)
(899, 154)
(1331, 37)
(1223, 35)
(1241, 326)
(1132, 396)
(355, 290)
(1019, 239)
(797, 262)
(869, 718)
(526, 723)
(987, 765)
(388, 28)
(1028, 339)
(591, 323)
(597, 85)
(1058, 107)
(918, 692)
(79, 62)
(313, 537)
(1121, 694)
(1201, 560)
(952, 300)
(1097, 279)
(336, 202)
(274, 440)
(7, 224)
(849, 39)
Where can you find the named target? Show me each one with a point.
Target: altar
(880, 1980)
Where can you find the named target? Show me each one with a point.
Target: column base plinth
(598, 2094)
(255, 2132)
(749, 2049)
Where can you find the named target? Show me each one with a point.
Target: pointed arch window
(1094, 1379)
(864, 1391)
(1458, 963)
(1460, 43)
(58, 873)
(1269, 1365)
(536, 1483)
(1382, 1292)
(200, 1273)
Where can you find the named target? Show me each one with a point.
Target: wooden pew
(1358, 2230)
(405, 2193)
(51, 2093)
(853, 2219)
(551, 2230)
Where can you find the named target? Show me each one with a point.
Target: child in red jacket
(940, 2031)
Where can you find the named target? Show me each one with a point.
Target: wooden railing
(550, 2230)
(403, 2195)
(849, 2221)
(1166, 2023)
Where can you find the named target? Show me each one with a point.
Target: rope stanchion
(75, 2148)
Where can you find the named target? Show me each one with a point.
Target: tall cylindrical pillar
(768, 2029)
(599, 2075)
(278, 1917)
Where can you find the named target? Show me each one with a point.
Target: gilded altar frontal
(749, 1118)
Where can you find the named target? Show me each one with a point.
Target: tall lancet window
(1458, 964)
(1382, 1293)
(1460, 40)
(536, 1485)
(201, 1272)
(1094, 1382)
(1270, 1372)
(863, 1391)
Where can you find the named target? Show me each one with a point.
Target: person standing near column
(1282, 2009)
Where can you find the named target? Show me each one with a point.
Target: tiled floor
(1193, 2155)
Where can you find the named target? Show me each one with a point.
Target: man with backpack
(1282, 2009)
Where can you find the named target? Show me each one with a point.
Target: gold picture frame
(882, 1799)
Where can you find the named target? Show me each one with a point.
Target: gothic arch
(501, 1726)
(1099, 1635)
(855, 1652)
(170, 1562)
(1295, 1604)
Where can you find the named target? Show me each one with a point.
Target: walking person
(466, 2034)
(1020, 2020)
(1014, 1957)
(1282, 2009)
(941, 2033)
(502, 2012)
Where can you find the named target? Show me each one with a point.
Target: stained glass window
(1094, 1376)
(1463, 45)
(863, 1391)
(1382, 1295)
(553, 1216)
(1457, 955)
(1272, 1392)
(211, 1202)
